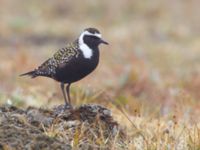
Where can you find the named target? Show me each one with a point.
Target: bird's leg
(68, 93)
(63, 91)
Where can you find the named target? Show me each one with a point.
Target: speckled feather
(62, 56)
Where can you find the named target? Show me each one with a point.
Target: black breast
(77, 68)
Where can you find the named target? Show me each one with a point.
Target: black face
(91, 41)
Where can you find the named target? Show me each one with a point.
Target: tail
(32, 74)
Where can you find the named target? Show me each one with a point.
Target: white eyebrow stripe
(95, 34)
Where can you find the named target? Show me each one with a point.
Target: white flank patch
(87, 52)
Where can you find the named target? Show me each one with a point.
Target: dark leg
(68, 93)
(63, 91)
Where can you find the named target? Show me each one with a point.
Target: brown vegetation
(148, 76)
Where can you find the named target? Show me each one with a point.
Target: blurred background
(152, 65)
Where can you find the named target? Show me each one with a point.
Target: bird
(73, 62)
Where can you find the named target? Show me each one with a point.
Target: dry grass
(149, 72)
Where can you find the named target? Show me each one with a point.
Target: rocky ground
(86, 127)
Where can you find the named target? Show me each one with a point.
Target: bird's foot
(68, 106)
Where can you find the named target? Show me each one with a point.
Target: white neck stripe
(87, 52)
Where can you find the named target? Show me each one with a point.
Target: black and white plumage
(73, 62)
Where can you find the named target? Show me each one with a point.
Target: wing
(59, 59)
(66, 54)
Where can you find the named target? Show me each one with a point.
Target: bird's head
(91, 37)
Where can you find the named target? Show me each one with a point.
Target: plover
(73, 62)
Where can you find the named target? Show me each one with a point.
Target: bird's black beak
(103, 42)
